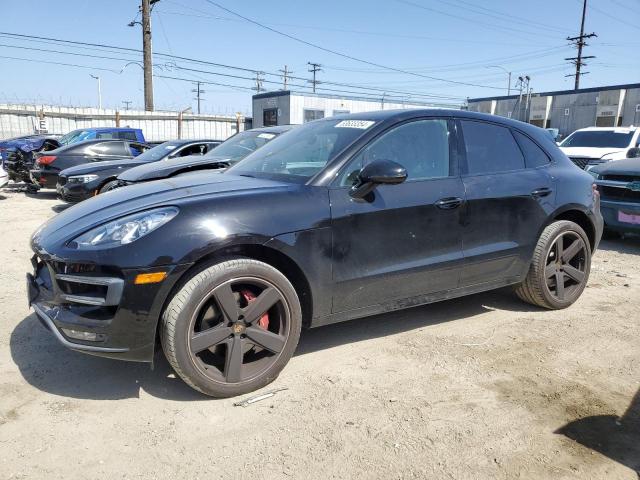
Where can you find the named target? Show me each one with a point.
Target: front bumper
(75, 300)
(610, 212)
(77, 192)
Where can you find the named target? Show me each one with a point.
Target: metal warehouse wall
(16, 120)
(291, 106)
(568, 111)
(300, 103)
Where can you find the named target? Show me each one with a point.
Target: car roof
(107, 129)
(277, 129)
(608, 129)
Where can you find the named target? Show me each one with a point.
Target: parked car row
(337, 219)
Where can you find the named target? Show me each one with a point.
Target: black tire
(107, 187)
(188, 318)
(551, 282)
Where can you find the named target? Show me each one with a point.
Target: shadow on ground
(615, 437)
(52, 368)
(626, 244)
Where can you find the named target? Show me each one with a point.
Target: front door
(405, 241)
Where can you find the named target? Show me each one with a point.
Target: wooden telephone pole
(146, 54)
(580, 43)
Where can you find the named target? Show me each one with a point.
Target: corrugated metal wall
(18, 120)
(571, 111)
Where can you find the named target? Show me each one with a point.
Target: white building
(285, 107)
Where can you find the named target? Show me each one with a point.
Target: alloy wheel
(239, 330)
(566, 266)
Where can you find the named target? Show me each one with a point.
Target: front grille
(622, 178)
(618, 194)
(581, 162)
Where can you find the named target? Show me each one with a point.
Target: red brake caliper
(250, 297)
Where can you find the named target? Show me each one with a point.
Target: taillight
(46, 159)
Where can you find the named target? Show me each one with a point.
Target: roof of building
(561, 92)
(373, 99)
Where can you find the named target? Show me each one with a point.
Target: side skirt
(412, 302)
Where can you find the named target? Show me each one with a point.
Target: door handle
(541, 192)
(449, 203)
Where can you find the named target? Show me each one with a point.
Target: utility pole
(198, 92)
(508, 76)
(127, 104)
(99, 91)
(285, 77)
(580, 43)
(146, 55)
(315, 67)
(259, 79)
(523, 85)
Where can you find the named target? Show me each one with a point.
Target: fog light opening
(86, 336)
(144, 278)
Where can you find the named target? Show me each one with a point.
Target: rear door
(406, 241)
(508, 200)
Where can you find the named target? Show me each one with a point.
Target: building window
(270, 117)
(311, 115)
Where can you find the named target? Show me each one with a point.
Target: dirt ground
(482, 387)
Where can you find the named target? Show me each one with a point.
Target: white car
(4, 176)
(595, 145)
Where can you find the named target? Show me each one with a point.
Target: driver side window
(421, 147)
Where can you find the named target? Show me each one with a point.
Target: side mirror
(380, 172)
(633, 152)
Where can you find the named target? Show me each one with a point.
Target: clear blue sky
(456, 40)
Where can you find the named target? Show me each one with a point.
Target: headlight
(124, 230)
(82, 178)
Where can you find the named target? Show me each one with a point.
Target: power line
(190, 60)
(344, 55)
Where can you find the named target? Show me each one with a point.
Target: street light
(507, 72)
(99, 91)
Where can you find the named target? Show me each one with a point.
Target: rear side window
(534, 156)
(109, 148)
(490, 148)
(128, 135)
(105, 135)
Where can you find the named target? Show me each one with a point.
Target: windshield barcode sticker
(362, 124)
(268, 136)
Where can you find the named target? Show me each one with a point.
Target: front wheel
(232, 327)
(107, 187)
(560, 267)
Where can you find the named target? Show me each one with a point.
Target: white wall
(300, 102)
(16, 120)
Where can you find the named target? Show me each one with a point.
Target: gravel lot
(482, 387)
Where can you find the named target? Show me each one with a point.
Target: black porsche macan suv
(341, 218)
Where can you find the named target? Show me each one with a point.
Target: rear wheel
(232, 327)
(107, 187)
(560, 268)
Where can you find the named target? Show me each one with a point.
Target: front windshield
(158, 152)
(599, 139)
(241, 145)
(302, 152)
(74, 136)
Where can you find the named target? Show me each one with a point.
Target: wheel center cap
(238, 328)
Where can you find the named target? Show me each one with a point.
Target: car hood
(630, 167)
(166, 168)
(134, 198)
(94, 167)
(590, 152)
